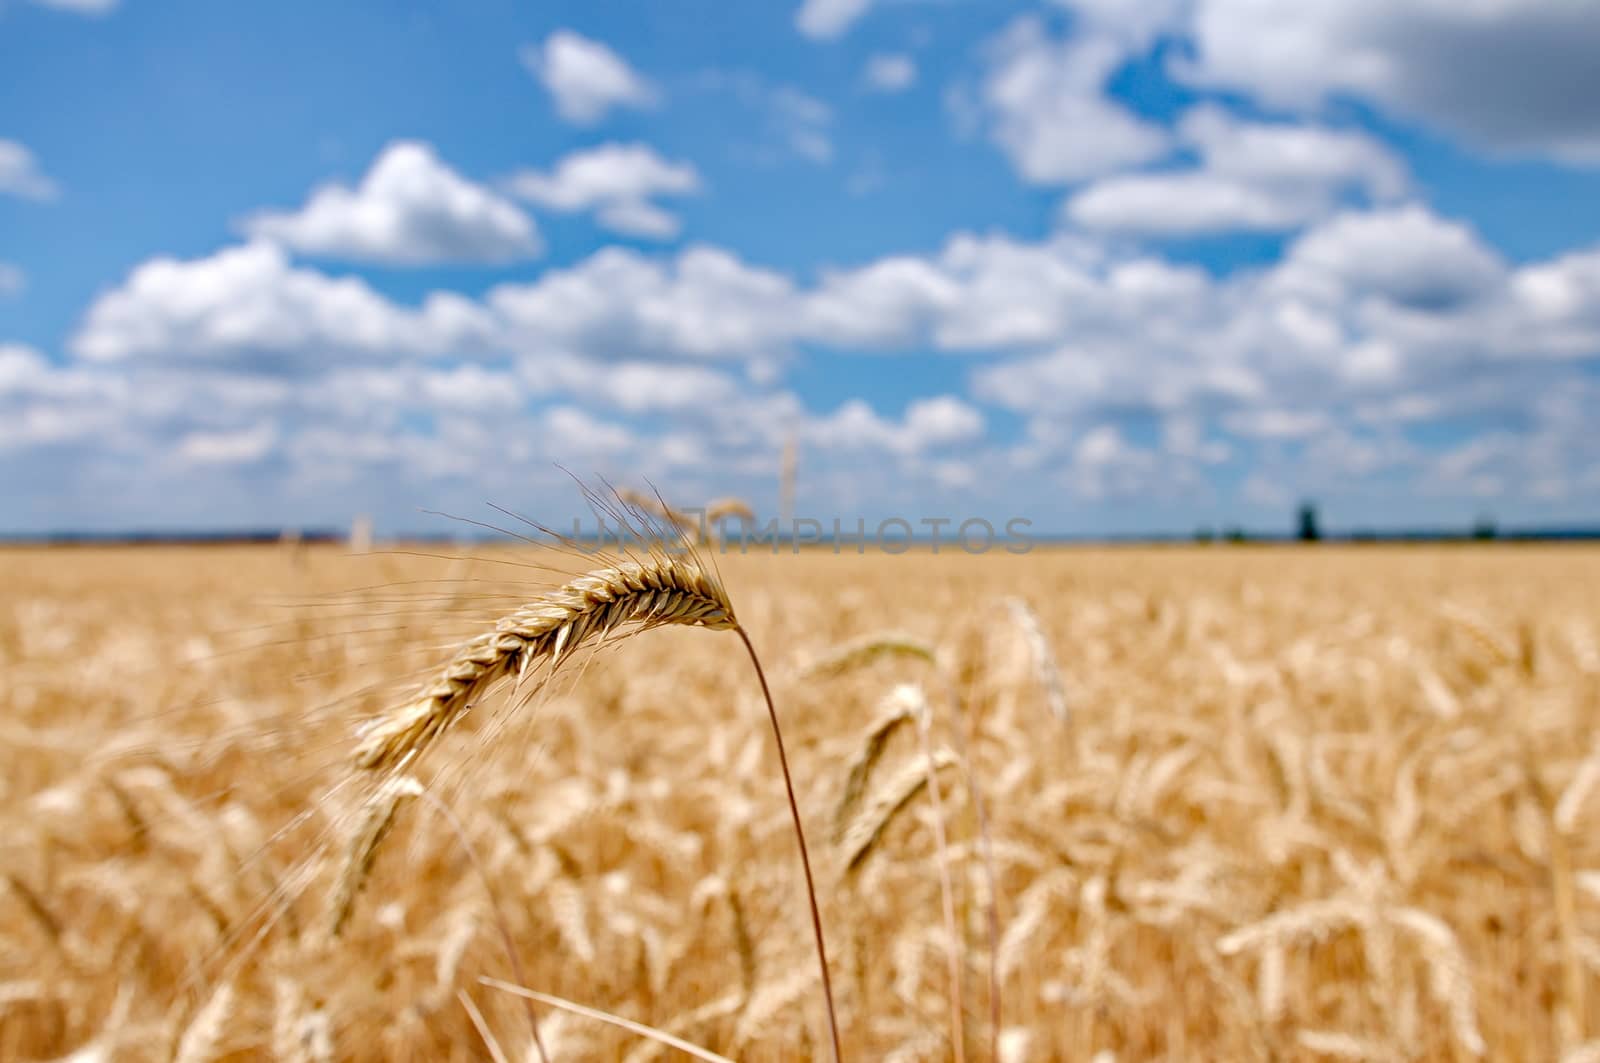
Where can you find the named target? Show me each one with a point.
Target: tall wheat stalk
(621, 599)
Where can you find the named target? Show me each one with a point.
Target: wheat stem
(800, 838)
(958, 1007)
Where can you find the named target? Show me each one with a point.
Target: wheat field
(1238, 803)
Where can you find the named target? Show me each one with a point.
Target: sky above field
(1108, 265)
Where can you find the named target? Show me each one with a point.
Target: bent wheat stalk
(629, 597)
(643, 595)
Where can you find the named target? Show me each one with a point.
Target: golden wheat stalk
(916, 706)
(862, 651)
(874, 743)
(886, 805)
(626, 598)
(636, 595)
(377, 819)
(1045, 671)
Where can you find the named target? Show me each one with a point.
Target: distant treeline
(1480, 534)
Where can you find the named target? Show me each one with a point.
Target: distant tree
(1309, 530)
(1234, 534)
(1204, 534)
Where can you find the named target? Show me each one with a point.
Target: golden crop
(1241, 803)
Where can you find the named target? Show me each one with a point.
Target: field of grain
(1268, 803)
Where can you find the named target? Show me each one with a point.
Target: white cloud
(827, 19)
(890, 72)
(586, 77)
(12, 279)
(410, 209)
(620, 305)
(20, 367)
(633, 387)
(1250, 176)
(803, 120)
(1406, 255)
(1135, 23)
(574, 432)
(229, 447)
(632, 217)
(247, 304)
(1130, 374)
(21, 176)
(928, 424)
(942, 421)
(1046, 103)
(615, 180)
(80, 7)
(977, 293)
(1271, 423)
(1511, 75)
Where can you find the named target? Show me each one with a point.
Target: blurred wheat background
(1244, 803)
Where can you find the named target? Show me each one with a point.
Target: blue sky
(1111, 266)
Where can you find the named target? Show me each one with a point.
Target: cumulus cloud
(80, 7)
(890, 72)
(704, 304)
(20, 365)
(12, 279)
(1045, 101)
(978, 293)
(1266, 176)
(586, 78)
(21, 176)
(941, 421)
(827, 19)
(410, 209)
(618, 181)
(1095, 370)
(633, 387)
(1510, 75)
(229, 447)
(247, 304)
(1406, 255)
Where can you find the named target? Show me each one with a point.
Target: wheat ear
(1045, 671)
(377, 820)
(858, 652)
(873, 745)
(890, 800)
(642, 595)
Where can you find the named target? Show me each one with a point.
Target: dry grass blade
(481, 1025)
(636, 595)
(887, 803)
(615, 1020)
